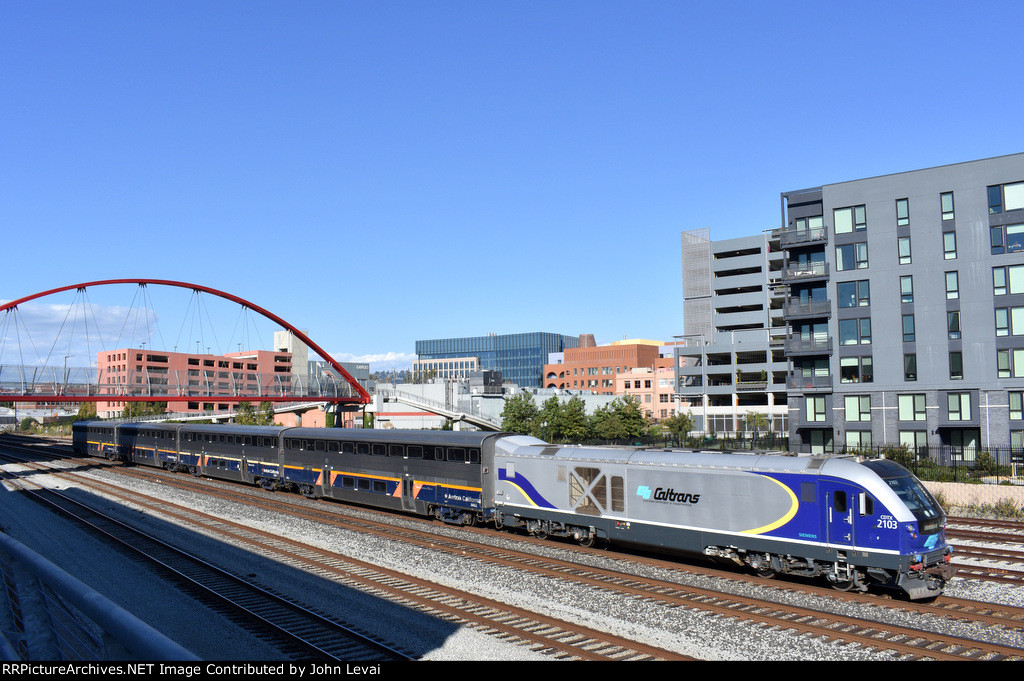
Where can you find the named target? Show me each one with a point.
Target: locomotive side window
(839, 501)
(867, 505)
(807, 492)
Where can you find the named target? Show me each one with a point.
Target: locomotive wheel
(842, 584)
(586, 541)
(765, 571)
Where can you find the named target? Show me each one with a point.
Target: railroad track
(560, 639)
(298, 632)
(910, 643)
(907, 642)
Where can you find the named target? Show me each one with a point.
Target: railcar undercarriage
(918, 582)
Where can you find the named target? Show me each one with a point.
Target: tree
(574, 420)
(519, 413)
(549, 422)
(621, 419)
(245, 414)
(86, 410)
(144, 409)
(756, 421)
(679, 425)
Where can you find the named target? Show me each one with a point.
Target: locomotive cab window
(867, 505)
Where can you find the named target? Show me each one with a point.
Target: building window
(858, 407)
(815, 408)
(852, 257)
(956, 365)
(853, 293)
(1006, 238)
(996, 239)
(949, 245)
(1016, 406)
(946, 204)
(914, 439)
(1008, 279)
(852, 219)
(856, 370)
(902, 212)
(1002, 321)
(912, 408)
(952, 285)
(1010, 363)
(1005, 197)
(959, 406)
(907, 289)
(903, 247)
(858, 439)
(953, 324)
(855, 331)
(908, 328)
(910, 367)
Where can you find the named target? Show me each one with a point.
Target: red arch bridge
(130, 369)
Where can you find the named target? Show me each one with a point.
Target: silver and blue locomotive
(855, 523)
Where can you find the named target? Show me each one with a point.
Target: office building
(594, 368)
(519, 357)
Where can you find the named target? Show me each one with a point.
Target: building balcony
(806, 271)
(801, 383)
(795, 237)
(813, 308)
(808, 346)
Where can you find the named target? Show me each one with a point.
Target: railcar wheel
(766, 572)
(586, 541)
(842, 584)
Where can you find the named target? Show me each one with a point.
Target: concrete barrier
(961, 494)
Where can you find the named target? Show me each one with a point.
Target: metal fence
(46, 614)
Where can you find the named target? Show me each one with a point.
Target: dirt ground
(964, 495)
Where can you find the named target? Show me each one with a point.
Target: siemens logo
(661, 494)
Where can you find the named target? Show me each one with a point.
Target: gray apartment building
(903, 300)
(730, 360)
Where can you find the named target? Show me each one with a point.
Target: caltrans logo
(670, 495)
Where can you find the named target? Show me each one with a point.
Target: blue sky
(381, 172)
